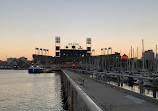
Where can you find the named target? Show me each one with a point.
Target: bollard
(83, 80)
(118, 80)
(154, 92)
(121, 81)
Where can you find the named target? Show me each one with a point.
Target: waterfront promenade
(110, 98)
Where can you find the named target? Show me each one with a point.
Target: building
(148, 58)
(24, 59)
(109, 62)
(73, 53)
(17, 63)
(43, 59)
(125, 62)
(71, 56)
(68, 53)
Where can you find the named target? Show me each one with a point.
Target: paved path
(111, 99)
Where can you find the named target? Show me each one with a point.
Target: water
(20, 91)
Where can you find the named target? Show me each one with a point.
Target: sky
(120, 24)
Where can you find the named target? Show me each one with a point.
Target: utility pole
(101, 51)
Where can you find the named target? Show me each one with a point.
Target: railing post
(118, 80)
(141, 86)
(72, 101)
(121, 79)
(154, 92)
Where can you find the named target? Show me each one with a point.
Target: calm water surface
(20, 91)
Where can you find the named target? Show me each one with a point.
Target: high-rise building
(157, 56)
(148, 57)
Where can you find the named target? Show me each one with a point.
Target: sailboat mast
(143, 52)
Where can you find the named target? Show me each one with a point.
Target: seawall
(76, 98)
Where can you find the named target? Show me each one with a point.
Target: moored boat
(35, 69)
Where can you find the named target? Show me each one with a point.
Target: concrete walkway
(111, 99)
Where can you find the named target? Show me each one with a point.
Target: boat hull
(35, 70)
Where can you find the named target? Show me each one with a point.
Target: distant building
(43, 59)
(3, 65)
(23, 59)
(124, 56)
(10, 60)
(66, 53)
(17, 63)
(102, 62)
(148, 57)
(67, 58)
(157, 56)
(71, 56)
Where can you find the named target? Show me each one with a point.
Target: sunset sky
(120, 24)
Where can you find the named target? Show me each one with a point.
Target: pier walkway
(110, 98)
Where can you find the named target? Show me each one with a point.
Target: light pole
(35, 50)
(48, 52)
(111, 49)
(101, 51)
(44, 51)
(93, 51)
(105, 49)
(41, 51)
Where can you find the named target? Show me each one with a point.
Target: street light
(36, 49)
(93, 51)
(104, 51)
(111, 49)
(48, 52)
(41, 51)
(101, 50)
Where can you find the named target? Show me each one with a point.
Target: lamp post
(41, 51)
(111, 49)
(35, 50)
(93, 51)
(105, 50)
(101, 51)
(48, 52)
(44, 51)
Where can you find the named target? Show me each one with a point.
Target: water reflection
(36, 92)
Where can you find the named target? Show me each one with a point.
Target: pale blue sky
(26, 24)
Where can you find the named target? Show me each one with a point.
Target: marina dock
(110, 98)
